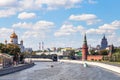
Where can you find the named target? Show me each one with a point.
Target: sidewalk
(106, 66)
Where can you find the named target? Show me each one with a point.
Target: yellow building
(67, 49)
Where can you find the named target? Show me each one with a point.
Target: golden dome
(13, 35)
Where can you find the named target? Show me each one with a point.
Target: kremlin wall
(104, 45)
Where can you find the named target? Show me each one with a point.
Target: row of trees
(12, 50)
(116, 55)
(99, 52)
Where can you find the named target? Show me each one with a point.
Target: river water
(62, 71)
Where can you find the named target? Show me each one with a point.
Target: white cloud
(96, 31)
(67, 30)
(7, 12)
(23, 25)
(40, 29)
(43, 25)
(54, 4)
(88, 18)
(4, 32)
(6, 3)
(25, 15)
(112, 26)
(28, 4)
(106, 28)
(33, 34)
(92, 1)
(81, 29)
(39, 25)
(11, 7)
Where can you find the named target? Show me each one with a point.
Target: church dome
(13, 35)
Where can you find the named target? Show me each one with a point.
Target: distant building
(67, 50)
(28, 50)
(104, 43)
(98, 47)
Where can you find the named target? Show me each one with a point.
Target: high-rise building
(84, 49)
(104, 43)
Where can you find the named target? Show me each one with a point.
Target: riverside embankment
(16, 68)
(106, 66)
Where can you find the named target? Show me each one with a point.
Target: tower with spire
(84, 49)
(104, 42)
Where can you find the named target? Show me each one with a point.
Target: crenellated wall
(94, 57)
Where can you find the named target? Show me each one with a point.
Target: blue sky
(60, 23)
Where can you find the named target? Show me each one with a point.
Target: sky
(60, 23)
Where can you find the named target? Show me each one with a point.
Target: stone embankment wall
(102, 65)
(9, 70)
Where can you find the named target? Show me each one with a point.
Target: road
(62, 71)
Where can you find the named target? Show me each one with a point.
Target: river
(62, 71)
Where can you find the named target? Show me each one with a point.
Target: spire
(104, 36)
(85, 39)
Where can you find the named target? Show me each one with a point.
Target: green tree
(104, 52)
(2, 48)
(93, 52)
(71, 54)
(14, 50)
(117, 50)
(116, 55)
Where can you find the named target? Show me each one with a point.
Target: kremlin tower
(84, 49)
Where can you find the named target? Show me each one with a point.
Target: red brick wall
(94, 57)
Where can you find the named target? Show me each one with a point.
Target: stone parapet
(13, 69)
(102, 65)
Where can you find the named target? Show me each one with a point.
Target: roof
(13, 35)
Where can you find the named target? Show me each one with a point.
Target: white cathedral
(14, 40)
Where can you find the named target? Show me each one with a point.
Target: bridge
(52, 57)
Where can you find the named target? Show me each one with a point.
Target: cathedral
(14, 40)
